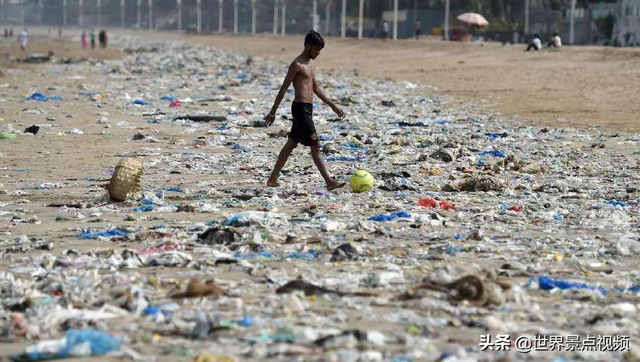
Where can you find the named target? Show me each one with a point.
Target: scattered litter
(165, 236)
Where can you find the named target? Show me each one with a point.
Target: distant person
(627, 38)
(84, 40)
(418, 29)
(535, 43)
(92, 36)
(60, 32)
(457, 35)
(102, 38)
(24, 39)
(385, 30)
(555, 41)
(6, 33)
(10, 32)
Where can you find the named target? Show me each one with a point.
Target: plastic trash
(32, 129)
(7, 136)
(201, 118)
(141, 102)
(431, 203)
(547, 283)
(493, 153)
(199, 255)
(76, 343)
(389, 217)
(37, 96)
(88, 234)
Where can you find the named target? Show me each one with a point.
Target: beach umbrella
(473, 19)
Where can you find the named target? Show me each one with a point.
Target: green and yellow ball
(361, 181)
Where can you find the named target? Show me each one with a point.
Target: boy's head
(313, 43)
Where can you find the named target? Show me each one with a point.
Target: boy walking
(303, 130)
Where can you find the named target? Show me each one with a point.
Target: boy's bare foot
(273, 183)
(335, 185)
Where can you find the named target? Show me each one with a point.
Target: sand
(571, 86)
(568, 87)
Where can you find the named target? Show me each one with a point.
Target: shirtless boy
(303, 130)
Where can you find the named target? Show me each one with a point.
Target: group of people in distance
(23, 37)
(536, 43)
(102, 39)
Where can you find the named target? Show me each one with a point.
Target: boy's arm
(293, 69)
(318, 91)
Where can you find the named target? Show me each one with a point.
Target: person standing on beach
(83, 40)
(418, 29)
(102, 38)
(303, 130)
(23, 37)
(385, 30)
(92, 36)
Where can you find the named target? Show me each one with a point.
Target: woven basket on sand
(126, 179)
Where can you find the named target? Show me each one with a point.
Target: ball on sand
(361, 181)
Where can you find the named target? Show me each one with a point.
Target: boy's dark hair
(314, 39)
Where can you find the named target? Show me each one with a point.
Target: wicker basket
(126, 179)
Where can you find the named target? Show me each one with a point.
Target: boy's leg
(317, 159)
(282, 159)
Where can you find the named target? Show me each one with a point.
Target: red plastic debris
(516, 208)
(432, 204)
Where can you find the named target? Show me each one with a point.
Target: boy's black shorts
(303, 130)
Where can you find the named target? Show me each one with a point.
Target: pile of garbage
(477, 224)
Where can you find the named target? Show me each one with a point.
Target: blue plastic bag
(88, 234)
(37, 96)
(241, 148)
(493, 153)
(385, 217)
(141, 102)
(345, 159)
(246, 321)
(100, 343)
(495, 135)
(547, 283)
(616, 203)
(309, 255)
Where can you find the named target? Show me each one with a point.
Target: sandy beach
(546, 140)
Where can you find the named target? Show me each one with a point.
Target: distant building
(626, 30)
(586, 17)
(582, 25)
(601, 10)
(545, 23)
